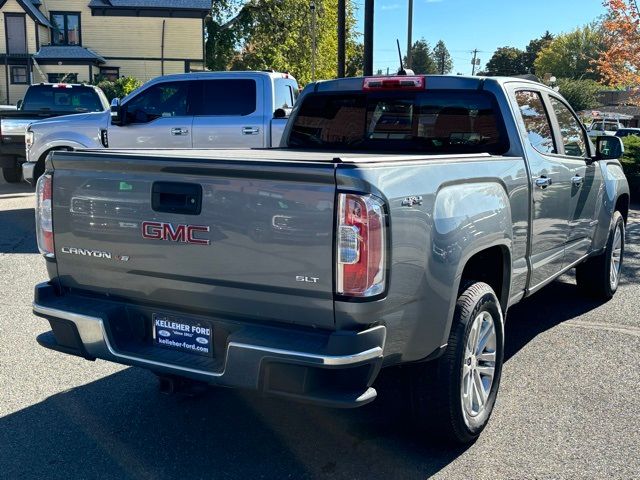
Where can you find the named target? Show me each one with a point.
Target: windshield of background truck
(439, 121)
(62, 99)
(608, 126)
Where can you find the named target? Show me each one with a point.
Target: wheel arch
(481, 267)
(622, 205)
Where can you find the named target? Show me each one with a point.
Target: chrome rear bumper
(255, 357)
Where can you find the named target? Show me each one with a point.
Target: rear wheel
(455, 394)
(12, 174)
(599, 276)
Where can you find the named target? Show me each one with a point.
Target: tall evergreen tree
(422, 61)
(442, 57)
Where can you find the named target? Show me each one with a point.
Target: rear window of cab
(437, 121)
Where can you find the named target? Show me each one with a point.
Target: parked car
(193, 110)
(42, 101)
(437, 203)
(600, 127)
(625, 132)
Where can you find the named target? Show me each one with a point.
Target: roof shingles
(71, 52)
(203, 5)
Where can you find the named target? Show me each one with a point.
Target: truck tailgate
(244, 239)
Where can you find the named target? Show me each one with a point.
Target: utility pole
(442, 59)
(312, 6)
(368, 37)
(409, 34)
(342, 34)
(473, 62)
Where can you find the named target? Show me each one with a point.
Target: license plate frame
(182, 334)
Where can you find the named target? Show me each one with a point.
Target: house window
(19, 76)
(110, 73)
(62, 77)
(65, 28)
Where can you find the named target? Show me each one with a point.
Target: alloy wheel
(479, 365)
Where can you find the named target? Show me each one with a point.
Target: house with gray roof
(84, 40)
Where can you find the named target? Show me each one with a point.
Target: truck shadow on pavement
(121, 427)
(17, 231)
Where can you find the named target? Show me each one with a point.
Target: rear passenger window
(227, 97)
(573, 139)
(284, 95)
(536, 121)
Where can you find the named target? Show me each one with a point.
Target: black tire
(436, 388)
(594, 276)
(38, 171)
(12, 174)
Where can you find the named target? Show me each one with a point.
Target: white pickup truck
(191, 110)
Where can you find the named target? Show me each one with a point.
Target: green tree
(533, 49)
(355, 60)
(422, 61)
(506, 61)
(263, 34)
(118, 89)
(442, 57)
(572, 55)
(230, 21)
(581, 94)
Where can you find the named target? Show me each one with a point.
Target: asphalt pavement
(568, 407)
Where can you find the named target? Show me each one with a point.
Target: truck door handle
(543, 182)
(250, 130)
(179, 131)
(577, 180)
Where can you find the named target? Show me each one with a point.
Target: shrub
(631, 158)
(118, 89)
(581, 94)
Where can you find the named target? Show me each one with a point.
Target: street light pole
(312, 6)
(368, 37)
(409, 34)
(342, 34)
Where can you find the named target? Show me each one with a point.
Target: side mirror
(609, 148)
(280, 113)
(19, 104)
(117, 116)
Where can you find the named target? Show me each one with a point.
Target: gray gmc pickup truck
(396, 225)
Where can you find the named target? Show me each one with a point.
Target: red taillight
(361, 246)
(44, 216)
(401, 82)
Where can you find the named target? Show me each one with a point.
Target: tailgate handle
(173, 197)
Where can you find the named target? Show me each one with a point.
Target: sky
(465, 25)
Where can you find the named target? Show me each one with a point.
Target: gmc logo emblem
(178, 233)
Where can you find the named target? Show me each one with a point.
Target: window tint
(434, 121)
(74, 99)
(536, 121)
(226, 97)
(62, 77)
(573, 139)
(161, 100)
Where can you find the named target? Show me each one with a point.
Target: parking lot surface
(568, 406)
